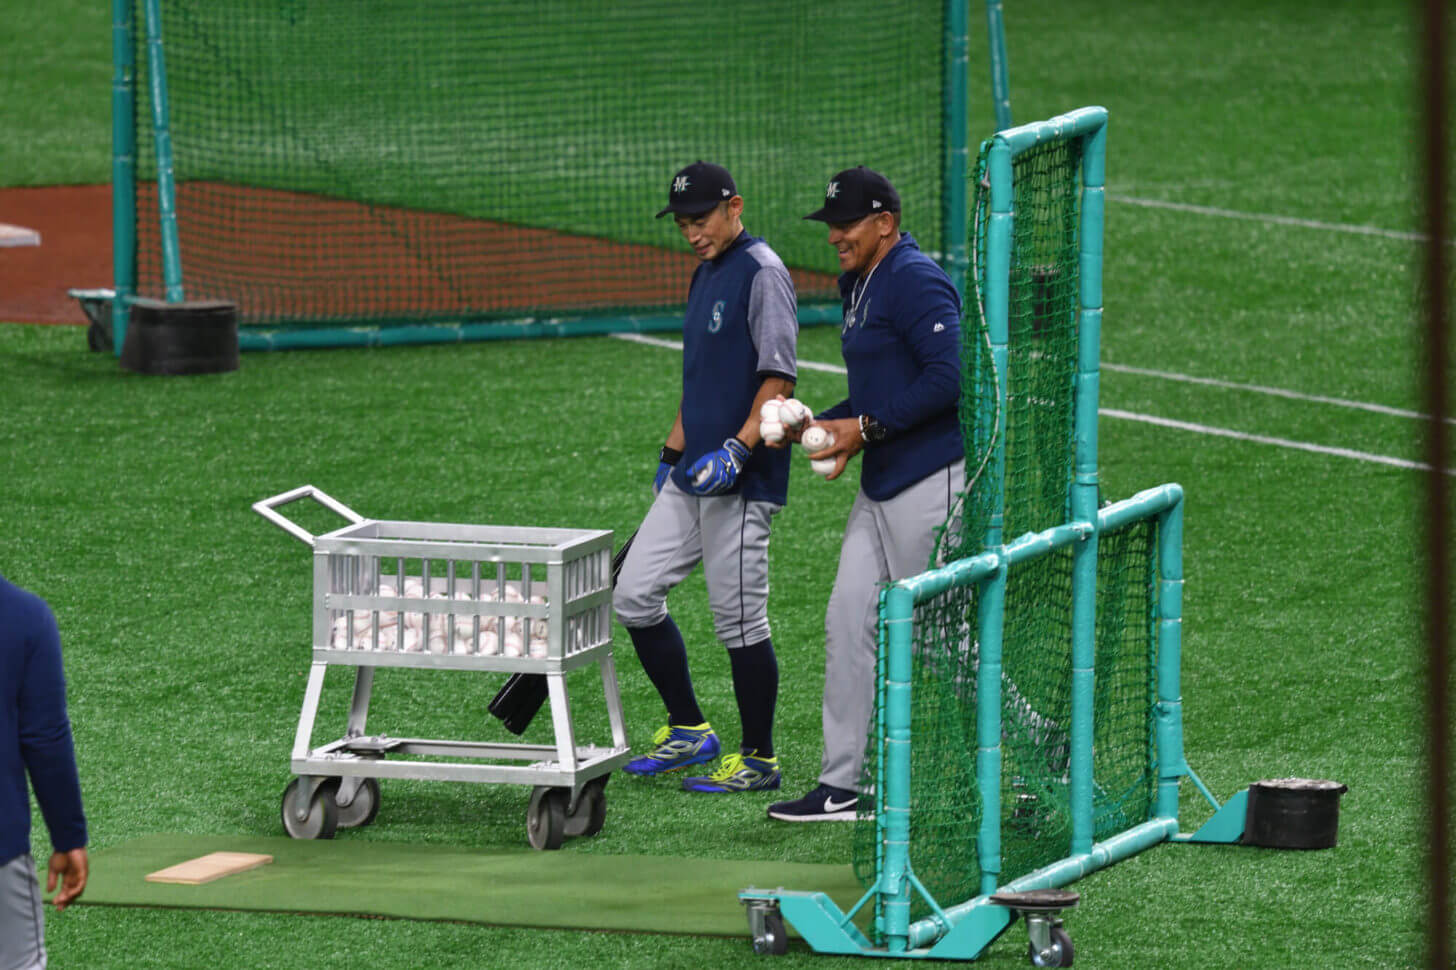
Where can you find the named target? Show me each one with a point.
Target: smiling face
(861, 243)
(711, 233)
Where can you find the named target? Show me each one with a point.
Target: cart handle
(267, 508)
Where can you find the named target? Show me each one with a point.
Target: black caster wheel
(766, 924)
(322, 817)
(364, 807)
(1058, 953)
(546, 818)
(591, 810)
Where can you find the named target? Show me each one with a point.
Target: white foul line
(1274, 391)
(1264, 440)
(640, 338)
(1169, 422)
(1205, 210)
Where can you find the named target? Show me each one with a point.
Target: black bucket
(181, 338)
(1293, 813)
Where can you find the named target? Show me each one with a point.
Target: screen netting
(1041, 355)
(1036, 674)
(1036, 828)
(425, 160)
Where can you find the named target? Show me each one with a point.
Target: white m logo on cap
(832, 190)
(875, 203)
(680, 184)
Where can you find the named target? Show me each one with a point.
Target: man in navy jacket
(901, 347)
(35, 738)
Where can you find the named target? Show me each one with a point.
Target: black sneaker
(824, 804)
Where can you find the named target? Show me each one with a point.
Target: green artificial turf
(125, 501)
(511, 887)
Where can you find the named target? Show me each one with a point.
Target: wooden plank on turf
(206, 868)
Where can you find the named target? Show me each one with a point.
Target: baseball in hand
(793, 413)
(816, 439)
(770, 427)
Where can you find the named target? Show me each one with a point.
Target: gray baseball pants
(728, 535)
(22, 919)
(883, 542)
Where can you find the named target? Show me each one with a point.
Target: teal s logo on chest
(716, 323)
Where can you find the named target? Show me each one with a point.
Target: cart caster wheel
(1058, 953)
(591, 810)
(323, 814)
(363, 809)
(767, 925)
(546, 818)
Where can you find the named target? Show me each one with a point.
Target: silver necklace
(856, 294)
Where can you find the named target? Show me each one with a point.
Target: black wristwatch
(871, 430)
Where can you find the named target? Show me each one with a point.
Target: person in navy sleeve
(35, 738)
(716, 489)
(901, 347)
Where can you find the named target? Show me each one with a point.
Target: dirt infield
(277, 269)
(74, 222)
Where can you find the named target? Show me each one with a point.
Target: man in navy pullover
(901, 347)
(35, 737)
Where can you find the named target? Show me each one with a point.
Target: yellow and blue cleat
(738, 772)
(676, 746)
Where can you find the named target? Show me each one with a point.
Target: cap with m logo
(698, 188)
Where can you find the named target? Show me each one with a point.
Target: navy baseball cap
(698, 188)
(855, 193)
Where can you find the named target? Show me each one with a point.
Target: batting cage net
(411, 161)
(1018, 416)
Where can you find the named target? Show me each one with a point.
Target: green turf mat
(511, 888)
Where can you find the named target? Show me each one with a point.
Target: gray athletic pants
(883, 542)
(728, 535)
(22, 922)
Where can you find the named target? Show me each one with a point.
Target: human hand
(782, 420)
(845, 441)
(70, 869)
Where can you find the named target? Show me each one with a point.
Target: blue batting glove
(667, 460)
(718, 471)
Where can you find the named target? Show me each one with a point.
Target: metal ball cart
(453, 597)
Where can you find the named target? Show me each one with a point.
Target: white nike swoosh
(830, 805)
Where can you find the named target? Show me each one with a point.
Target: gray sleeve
(773, 316)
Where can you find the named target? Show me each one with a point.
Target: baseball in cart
(532, 603)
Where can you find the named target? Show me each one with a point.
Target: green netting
(1041, 354)
(1036, 826)
(1035, 484)
(419, 160)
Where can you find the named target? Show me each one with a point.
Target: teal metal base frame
(964, 932)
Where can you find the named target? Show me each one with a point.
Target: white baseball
(816, 439)
(793, 413)
(770, 425)
(363, 620)
(823, 466)
(512, 647)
